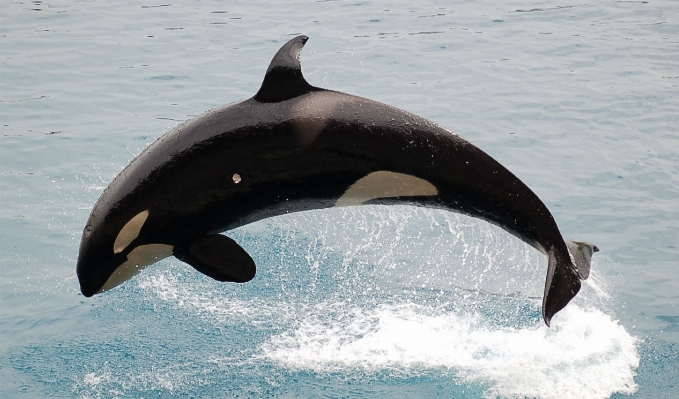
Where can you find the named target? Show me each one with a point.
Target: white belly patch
(385, 184)
(137, 260)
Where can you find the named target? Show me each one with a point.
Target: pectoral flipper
(219, 257)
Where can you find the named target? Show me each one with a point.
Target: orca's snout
(88, 285)
(92, 268)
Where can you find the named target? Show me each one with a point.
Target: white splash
(212, 306)
(585, 354)
(93, 379)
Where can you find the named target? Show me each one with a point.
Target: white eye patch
(129, 232)
(385, 184)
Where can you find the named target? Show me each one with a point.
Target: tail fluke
(564, 272)
(581, 255)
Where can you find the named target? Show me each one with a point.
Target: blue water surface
(580, 100)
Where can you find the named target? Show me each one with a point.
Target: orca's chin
(87, 292)
(87, 288)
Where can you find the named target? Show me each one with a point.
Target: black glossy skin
(185, 179)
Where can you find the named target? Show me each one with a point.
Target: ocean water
(580, 100)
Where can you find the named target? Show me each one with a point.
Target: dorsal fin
(284, 79)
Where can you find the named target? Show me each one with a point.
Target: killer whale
(295, 147)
